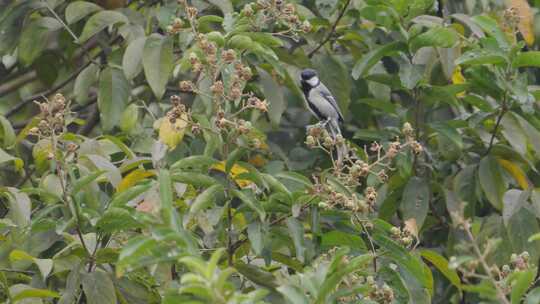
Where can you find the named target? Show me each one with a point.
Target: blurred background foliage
(156, 152)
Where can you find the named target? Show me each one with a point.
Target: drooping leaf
(252, 203)
(132, 60)
(98, 288)
(415, 202)
(113, 95)
(100, 21)
(441, 264)
(77, 10)
(362, 67)
(297, 234)
(157, 61)
(206, 198)
(435, 37)
(491, 181)
(274, 96)
(34, 38)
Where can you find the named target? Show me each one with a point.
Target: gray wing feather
(325, 93)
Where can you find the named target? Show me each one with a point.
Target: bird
(322, 103)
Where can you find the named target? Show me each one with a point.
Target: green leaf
(435, 37)
(77, 10)
(527, 59)
(337, 238)
(130, 120)
(403, 258)
(256, 274)
(5, 158)
(533, 296)
(233, 157)
(450, 133)
(441, 264)
(35, 293)
(166, 198)
(255, 235)
(122, 198)
(362, 67)
(113, 96)
(293, 294)
(491, 181)
(480, 56)
(34, 38)
(522, 282)
(332, 281)
(7, 134)
(295, 177)
(193, 178)
(492, 28)
(158, 62)
(274, 94)
(415, 201)
(252, 203)
(116, 219)
(206, 198)
(196, 161)
(240, 42)
(100, 21)
(85, 180)
(296, 231)
(98, 288)
(133, 56)
(84, 82)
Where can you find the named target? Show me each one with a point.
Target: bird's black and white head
(309, 78)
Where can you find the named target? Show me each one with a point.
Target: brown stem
(59, 86)
(16, 83)
(503, 111)
(500, 294)
(332, 30)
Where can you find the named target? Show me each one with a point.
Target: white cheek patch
(313, 81)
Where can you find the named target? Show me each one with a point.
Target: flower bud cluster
(403, 236)
(379, 293)
(271, 12)
(52, 114)
(178, 110)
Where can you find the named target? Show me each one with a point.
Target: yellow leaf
(132, 178)
(258, 160)
(235, 171)
(526, 19)
(516, 172)
(172, 134)
(457, 78)
(19, 255)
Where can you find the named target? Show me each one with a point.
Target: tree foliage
(157, 152)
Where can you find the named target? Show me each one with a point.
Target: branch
(59, 86)
(27, 100)
(503, 111)
(500, 294)
(16, 83)
(332, 30)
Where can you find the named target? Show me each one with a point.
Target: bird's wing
(325, 93)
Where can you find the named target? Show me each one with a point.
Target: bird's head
(310, 77)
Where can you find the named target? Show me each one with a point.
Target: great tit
(320, 101)
(322, 104)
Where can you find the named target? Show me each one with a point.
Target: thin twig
(332, 30)
(59, 86)
(500, 294)
(503, 111)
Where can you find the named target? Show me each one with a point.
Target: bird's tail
(341, 149)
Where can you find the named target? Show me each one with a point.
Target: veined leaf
(362, 67)
(100, 21)
(158, 62)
